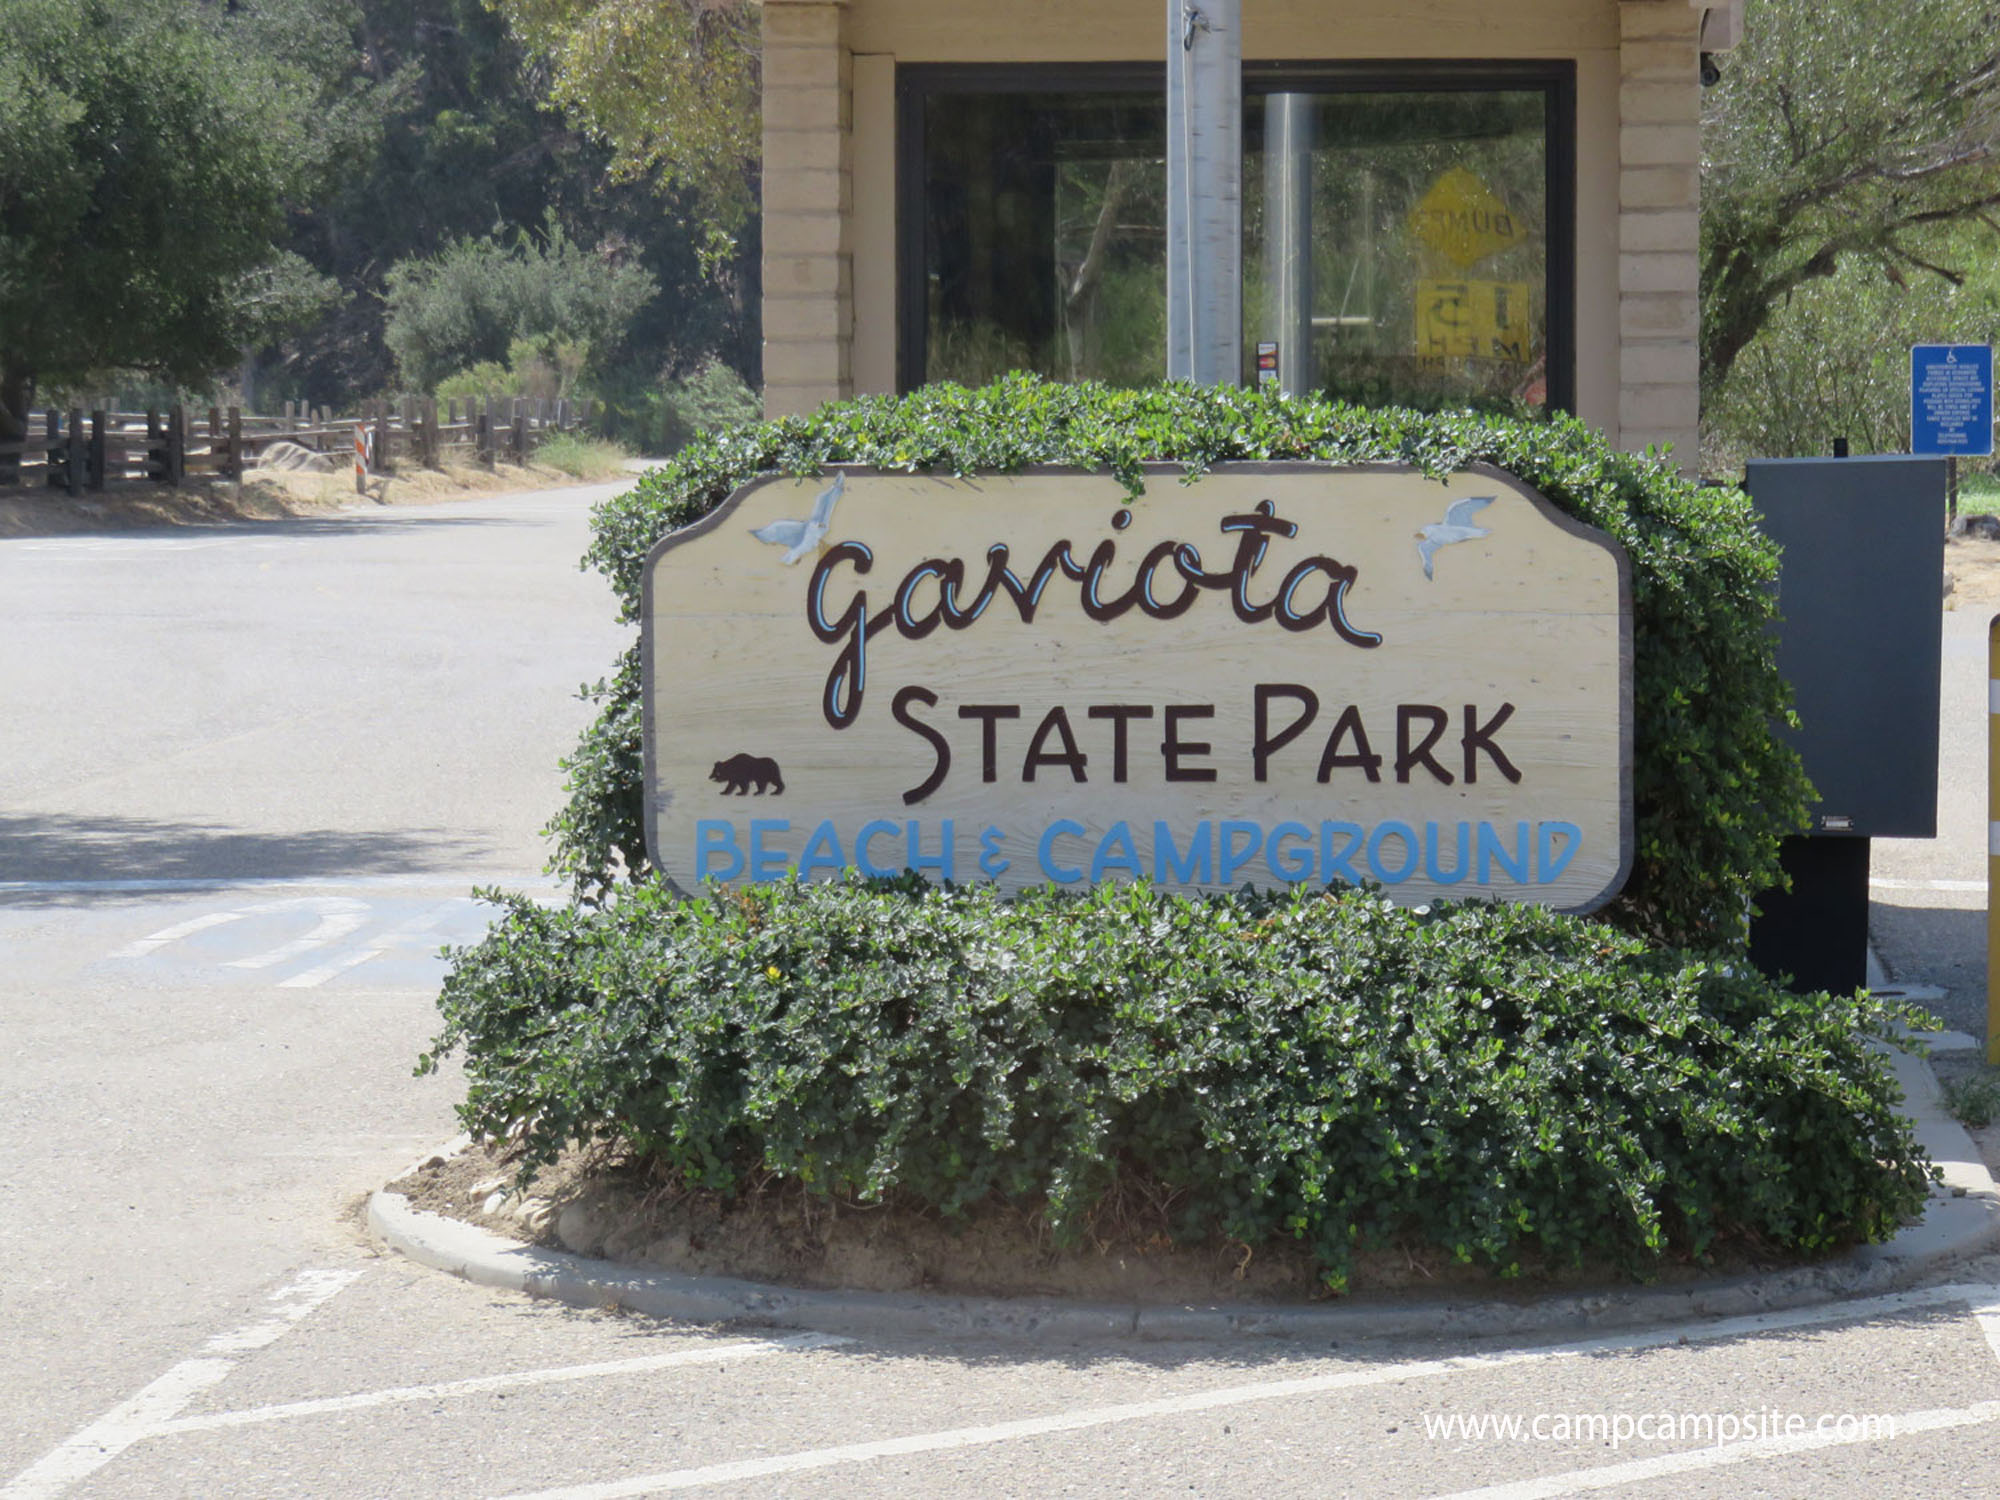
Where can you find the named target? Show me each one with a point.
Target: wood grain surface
(1466, 733)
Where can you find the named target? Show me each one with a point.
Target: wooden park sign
(1275, 674)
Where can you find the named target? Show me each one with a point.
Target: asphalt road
(1927, 914)
(250, 777)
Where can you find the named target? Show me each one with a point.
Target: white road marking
(1610, 1476)
(176, 932)
(399, 937)
(276, 883)
(339, 915)
(289, 1305)
(314, 978)
(1885, 883)
(1275, 1390)
(479, 1384)
(127, 1423)
(98, 545)
(1987, 1315)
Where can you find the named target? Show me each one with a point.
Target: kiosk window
(1407, 235)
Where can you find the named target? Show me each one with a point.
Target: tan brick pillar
(808, 145)
(1659, 218)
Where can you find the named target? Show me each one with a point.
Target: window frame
(1554, 78)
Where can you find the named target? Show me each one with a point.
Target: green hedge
(1494, 1082)
(1714, 790)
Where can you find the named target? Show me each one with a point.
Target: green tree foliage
(1833, 361)
(1839, 133)
(477, 297)
(469, 147)
(670, 85)
(150, 149)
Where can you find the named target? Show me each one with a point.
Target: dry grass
(264, 496)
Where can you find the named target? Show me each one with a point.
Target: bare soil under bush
(592, 1203)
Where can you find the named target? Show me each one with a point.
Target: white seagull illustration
(802, 536)
(1455, 527)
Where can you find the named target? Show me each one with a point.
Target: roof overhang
(1721, 23)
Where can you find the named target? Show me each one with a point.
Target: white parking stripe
(129, 1421)
(400, 937)
(314, 978)
(178, 931)
(174, 885)
(1988, 1318)
(1276, 1390)
(479, 1384)
(339, 916)
(1581, 1481)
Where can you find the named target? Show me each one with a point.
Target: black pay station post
(1860, 590)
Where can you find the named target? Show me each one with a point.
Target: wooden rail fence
(79, 450)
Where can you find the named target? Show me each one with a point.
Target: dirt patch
(272, 496)
(593, 1203)
(1973, 565)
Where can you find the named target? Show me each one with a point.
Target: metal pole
(1288, 286)
(1993, 840)
(1204, 191)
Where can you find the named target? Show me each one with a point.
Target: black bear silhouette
(739, 771)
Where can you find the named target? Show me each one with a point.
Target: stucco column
(1659, 227)
(808, 156)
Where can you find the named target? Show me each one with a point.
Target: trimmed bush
(1714, 789)
(1496, 1082)
(1500, 1083)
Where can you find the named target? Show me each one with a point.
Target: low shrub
(1714, 789)
(1495, 1082)
(583, 457)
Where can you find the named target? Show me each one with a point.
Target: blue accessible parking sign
(1951, 399)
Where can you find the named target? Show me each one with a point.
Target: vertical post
(1288, 144)
(1204, 191)
(51, 447)
(1993, 840)
(236, 464)
(519, 438)
(483, 432)
(73, 454)
(156, 452)
(1950, 488)
(384, 459)
(360, 458)
(177, 432)
(94, 474)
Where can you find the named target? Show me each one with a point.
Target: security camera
(1711, 70)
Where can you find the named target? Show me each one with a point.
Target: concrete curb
(1962, 1220)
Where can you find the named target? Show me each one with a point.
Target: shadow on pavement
(44, 848)
(1938, 945)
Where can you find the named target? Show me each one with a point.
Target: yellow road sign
(1463, 221)
(1474, 320)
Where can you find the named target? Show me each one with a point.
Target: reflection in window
(1045, 236)
(1396, 244)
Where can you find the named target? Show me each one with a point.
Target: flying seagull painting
(802, 536)
(1455, 527)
